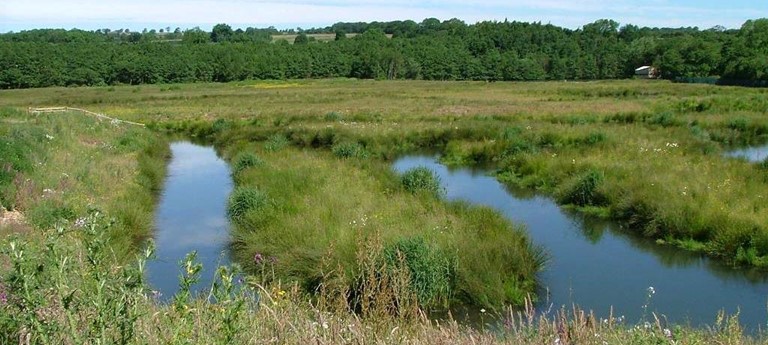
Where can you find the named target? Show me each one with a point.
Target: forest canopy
(431, 50)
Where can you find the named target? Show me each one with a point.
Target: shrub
(421, 179)
(244, 161)
(243, 200)
(349, 150)
(432, 274)
(276, 143)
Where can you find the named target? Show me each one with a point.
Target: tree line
(431, 49)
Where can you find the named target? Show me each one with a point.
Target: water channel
(600, 267)
(594, 263)
(191, 216)
(754, 154)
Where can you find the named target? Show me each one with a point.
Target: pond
(191, 216)
(600, 267)
(753, 154)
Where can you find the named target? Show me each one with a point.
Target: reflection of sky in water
(191, 216)
(752, 154)
(596, 265)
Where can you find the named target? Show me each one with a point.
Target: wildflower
(273, 259)
(80, 222)
(49, 137)
(156, 294)
(651, 290)
(258, 259)
(482, 310)
(667, 333)
(281, 293)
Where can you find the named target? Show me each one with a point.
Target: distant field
(319, 37)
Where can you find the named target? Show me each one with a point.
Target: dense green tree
(431, 49)
(196, 36)
(301, 38)
(221, 33)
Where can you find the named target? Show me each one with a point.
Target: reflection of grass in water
(319, 201)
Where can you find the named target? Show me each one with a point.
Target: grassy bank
(313, 212)
(57, 167)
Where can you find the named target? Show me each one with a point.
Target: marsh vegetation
(327, 233)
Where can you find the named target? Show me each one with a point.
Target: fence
(37, 111)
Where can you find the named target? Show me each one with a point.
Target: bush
(432, 274)
(243, 200)
(244, 161)
(421, 179)
(349, 150)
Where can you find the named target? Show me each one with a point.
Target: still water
(191, 216)
(600, 267)
(752, 154)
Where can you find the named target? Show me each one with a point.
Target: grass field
(314, 191)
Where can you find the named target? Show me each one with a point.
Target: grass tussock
(363, 201)
(421, 179)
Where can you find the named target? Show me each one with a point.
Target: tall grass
(66, 290)
(55, 168)
(321, 209)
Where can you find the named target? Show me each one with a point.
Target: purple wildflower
(273, 259)
(258, 259)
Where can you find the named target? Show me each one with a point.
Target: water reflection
(601, 267)
(752, 154)
(191, 216)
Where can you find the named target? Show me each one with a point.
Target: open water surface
(599, 266)
(191, 216)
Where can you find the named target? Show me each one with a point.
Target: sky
(17, 15)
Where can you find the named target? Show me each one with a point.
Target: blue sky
(16, 15)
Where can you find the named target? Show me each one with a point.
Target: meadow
(359, 251)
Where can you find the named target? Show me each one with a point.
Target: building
(645, 72)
